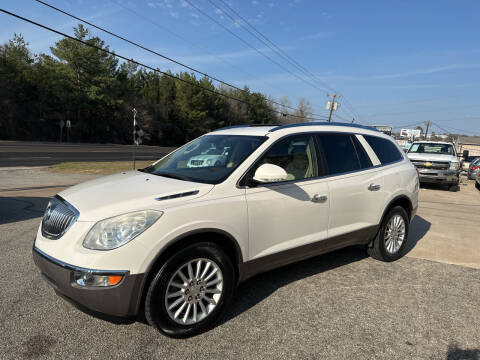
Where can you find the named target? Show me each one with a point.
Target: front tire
(191, 291)
(392, 236)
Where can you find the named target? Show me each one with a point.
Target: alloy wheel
(394, 234)
(194, 291)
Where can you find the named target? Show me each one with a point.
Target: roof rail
(317, 123)
(244, 125)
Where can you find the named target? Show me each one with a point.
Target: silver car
(477, 180)
(473, 169)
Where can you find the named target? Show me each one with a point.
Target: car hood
(129, 191)
(431, 157)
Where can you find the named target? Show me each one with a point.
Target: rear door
(356, 186)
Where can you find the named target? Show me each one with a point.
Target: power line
(462, 130)
(137, 45)
(247, 43)
(282, 53)
(161, 55)
(409, 125)
(265, 42)
(198, 47)
(438, 126)
(136, 62)
(164, 28)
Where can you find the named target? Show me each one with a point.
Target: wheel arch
(400, 200)
(220, 237)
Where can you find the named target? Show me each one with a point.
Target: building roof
(475, 140)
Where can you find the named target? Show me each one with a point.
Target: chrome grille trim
(437, 165)
(58, 218)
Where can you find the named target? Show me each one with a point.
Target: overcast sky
(396, 62)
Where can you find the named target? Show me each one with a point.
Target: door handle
(317, 198)
(374, 187)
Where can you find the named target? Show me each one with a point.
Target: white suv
(174, 241)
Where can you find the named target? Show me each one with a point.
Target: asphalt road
(339, 305)
(24, 153)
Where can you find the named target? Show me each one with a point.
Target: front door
(292, 213)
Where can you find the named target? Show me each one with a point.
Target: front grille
(437, 165)
(58, 218)
(196, 162)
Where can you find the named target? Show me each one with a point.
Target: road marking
(30, 158)
(5, 168)
(37, 187)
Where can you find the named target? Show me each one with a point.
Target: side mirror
(268, 173)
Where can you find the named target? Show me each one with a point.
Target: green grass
(97, 168)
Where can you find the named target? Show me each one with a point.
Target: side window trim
(371, 154)
(321, 160)
(360, 167)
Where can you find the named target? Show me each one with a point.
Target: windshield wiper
(172, 175)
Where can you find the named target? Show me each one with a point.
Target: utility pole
(426, 131)
(332, 105)
(134, 135)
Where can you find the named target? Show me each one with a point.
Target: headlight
(209, 162)
(114, 232)
(454, 165)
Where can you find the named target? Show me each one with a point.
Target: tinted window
(340, 153)
(296, 155)
(386, 150)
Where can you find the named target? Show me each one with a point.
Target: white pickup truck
(436, 162)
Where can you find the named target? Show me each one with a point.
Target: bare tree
(304, 110)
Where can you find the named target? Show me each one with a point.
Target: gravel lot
(339, 305)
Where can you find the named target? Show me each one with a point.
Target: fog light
(87, 278)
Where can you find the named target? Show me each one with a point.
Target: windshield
(432, 148)
(209, 159)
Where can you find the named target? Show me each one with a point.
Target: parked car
(436, 162)
(175, 241)
(466, 162)
(473, 169)
(211, 157)
(477, 180)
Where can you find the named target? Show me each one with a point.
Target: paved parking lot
(339, 305)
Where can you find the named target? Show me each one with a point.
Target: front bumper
(438, 176)
(122, 299)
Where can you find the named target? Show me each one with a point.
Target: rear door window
(385, 149)
(340, 153)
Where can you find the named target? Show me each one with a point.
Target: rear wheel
(191, 291)
(477, 185)
(392, 236)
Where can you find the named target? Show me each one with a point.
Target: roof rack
(317, 123)
(245, 125)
